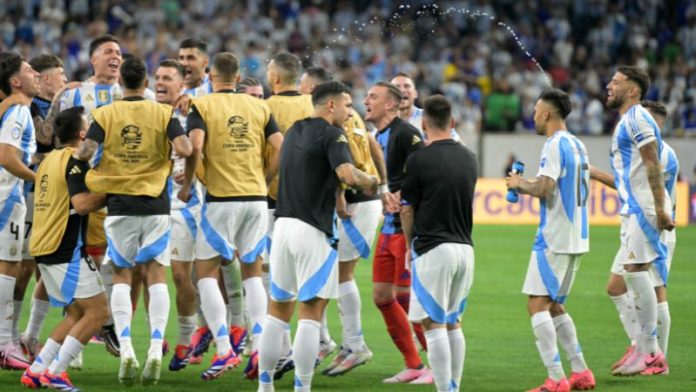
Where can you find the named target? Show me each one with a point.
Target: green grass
(500, 356)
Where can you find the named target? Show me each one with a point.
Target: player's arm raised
(540, 187)
(654, 170)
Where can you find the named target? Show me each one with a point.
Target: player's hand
(18, 99)
(178, 177)
(342, 207)
(184, 194)
(407, 259)
(664, 221)
(183, 103)
(390, 202)
(513, 180)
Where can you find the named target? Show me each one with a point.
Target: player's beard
(616, 102)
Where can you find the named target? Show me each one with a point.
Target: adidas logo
(75, 170)
(175, 252)
(631, 256)
(415, 140)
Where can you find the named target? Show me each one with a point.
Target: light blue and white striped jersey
(670, 170)
(17, 130)
(635, 129)
(563, 225)
(204, 88)
(416, 120)
(92, 95)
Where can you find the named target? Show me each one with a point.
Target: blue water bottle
(517, 168)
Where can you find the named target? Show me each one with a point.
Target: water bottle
(517, 168)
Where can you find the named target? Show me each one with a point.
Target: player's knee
(380, 296)
(181, 279)
(615, 290)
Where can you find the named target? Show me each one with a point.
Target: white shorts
(28, 222)
(137, 239)
(66, 282)
(232, 225)
(303, 263)
(551, 274)
(356, 234)
(641, 243)
(185, 223)
(440, 283)
(12, 215)
(269, 235)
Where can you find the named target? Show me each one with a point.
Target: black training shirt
(311, 151)
(439, 184)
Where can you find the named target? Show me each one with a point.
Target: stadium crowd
(473, 60)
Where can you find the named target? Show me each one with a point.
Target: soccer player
(133, 136)
(646, 216)
(193, 54)
(562, 186)
(437, 194)
(51, 82)
(407, 109)
(231, 131)
(17, 146)
(390, 275)
(315, 157)
(57, 243)
(185, 218)
(251, 86)
(617, 287)
(312, 77)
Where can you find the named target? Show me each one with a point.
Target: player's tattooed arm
(86, 150)
(602, 176)
(47, 127)
(275, 141)
(648, 154)
(354, 178)
(378, 159)
(540, 187)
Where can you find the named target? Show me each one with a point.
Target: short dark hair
(404, 74)
(68, 123)
(197, 43)
(133, 73)
(326, 90)
(392, 90)
(248, 82)
(655, 108)
(97, 42)
(289, 67)
(437, 111)
(319, 73)
(559, 100)
(44, 62)
(637, 75)
(10, 64)
(171, 63)
(227, 66)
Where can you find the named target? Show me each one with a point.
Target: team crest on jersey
(103, 95)
(131, 137)
(16, 131)
(237, 126)
(43, 186)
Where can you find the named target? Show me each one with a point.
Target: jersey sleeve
(641, 127)
(174, 129)
(13, 125)
(336, 147)
(75, 173)
(550, 164)
(271, 127)
(410, 140)
(96, 132)
(410, 190)
(67, 100)
(195, 121)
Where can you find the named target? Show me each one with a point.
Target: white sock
(16, 314)
(257, 305)
(627, 315)
(349, 309)
(287, 341)
(7, 284)
(159, 314)
(270, 349)
(37, 316)
(187, 325)
(645, 301)
(545, 333)
(70, 349)
(107, 274)
(304, 353)
(231, 275)
(457, 355)
(213, 306)
(664, 321)
(439, 357)
(122, 311)
(46, 355)
(324, 334)
(568, 339)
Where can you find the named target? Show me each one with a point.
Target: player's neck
(627, 105)
(224, 86)
(193, 83)
(384, 121)
(439, 135)
(108, 80)
(284, 89)
(555, 126)
(127, 93)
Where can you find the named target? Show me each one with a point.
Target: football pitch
(500, 355)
